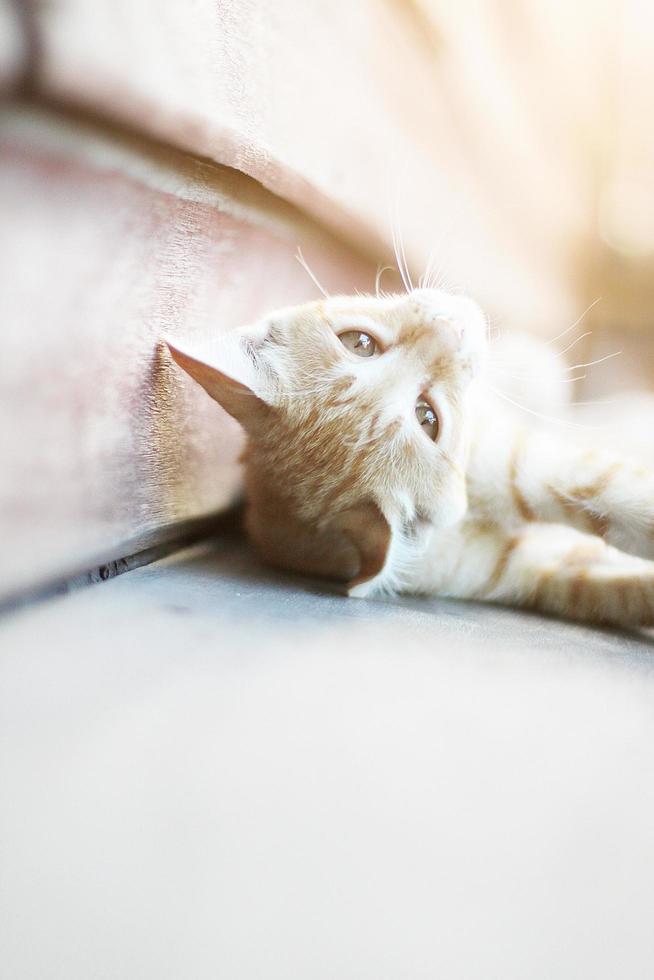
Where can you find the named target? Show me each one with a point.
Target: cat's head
(356, 411)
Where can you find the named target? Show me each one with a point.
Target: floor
(209, 770)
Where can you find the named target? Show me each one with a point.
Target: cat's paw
(598, 595)
(365, 590)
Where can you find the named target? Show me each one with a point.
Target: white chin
(450, 511)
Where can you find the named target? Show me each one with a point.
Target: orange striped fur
(343, 482)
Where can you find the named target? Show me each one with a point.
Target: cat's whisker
(451, 231)
(305, 265)
(400, 267)
(398, 248)
(431, 271)
(490, 328)
(510, 371)
(439, 276)
(380, 272)
(575, 342)
(435, 271)
(404, 262)
(534, 376)
(565, 332)
(426, 281)
(395, 248)
(540, 415)
(599, 360)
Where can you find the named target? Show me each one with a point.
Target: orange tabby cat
(375, 456)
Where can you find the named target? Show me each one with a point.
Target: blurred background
(162, 161)
(213, 770)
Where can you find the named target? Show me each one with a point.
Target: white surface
(209, 771)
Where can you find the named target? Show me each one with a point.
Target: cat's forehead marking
(441, 368)
(418, 333)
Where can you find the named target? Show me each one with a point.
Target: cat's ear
(370, 533)
(232, 374)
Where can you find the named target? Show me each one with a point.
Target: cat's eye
(427, 419)
(359, 343)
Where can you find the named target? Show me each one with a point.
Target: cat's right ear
(232, 375)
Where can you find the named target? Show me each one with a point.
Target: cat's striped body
(350, 474)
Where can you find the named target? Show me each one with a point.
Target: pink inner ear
(234, 396)
(205, 374)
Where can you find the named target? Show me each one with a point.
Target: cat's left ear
(232, 374)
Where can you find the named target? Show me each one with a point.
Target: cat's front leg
(537, 478)
(552, 569)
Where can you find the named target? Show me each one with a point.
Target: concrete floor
(209, 770)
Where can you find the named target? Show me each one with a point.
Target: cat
(377, 456)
